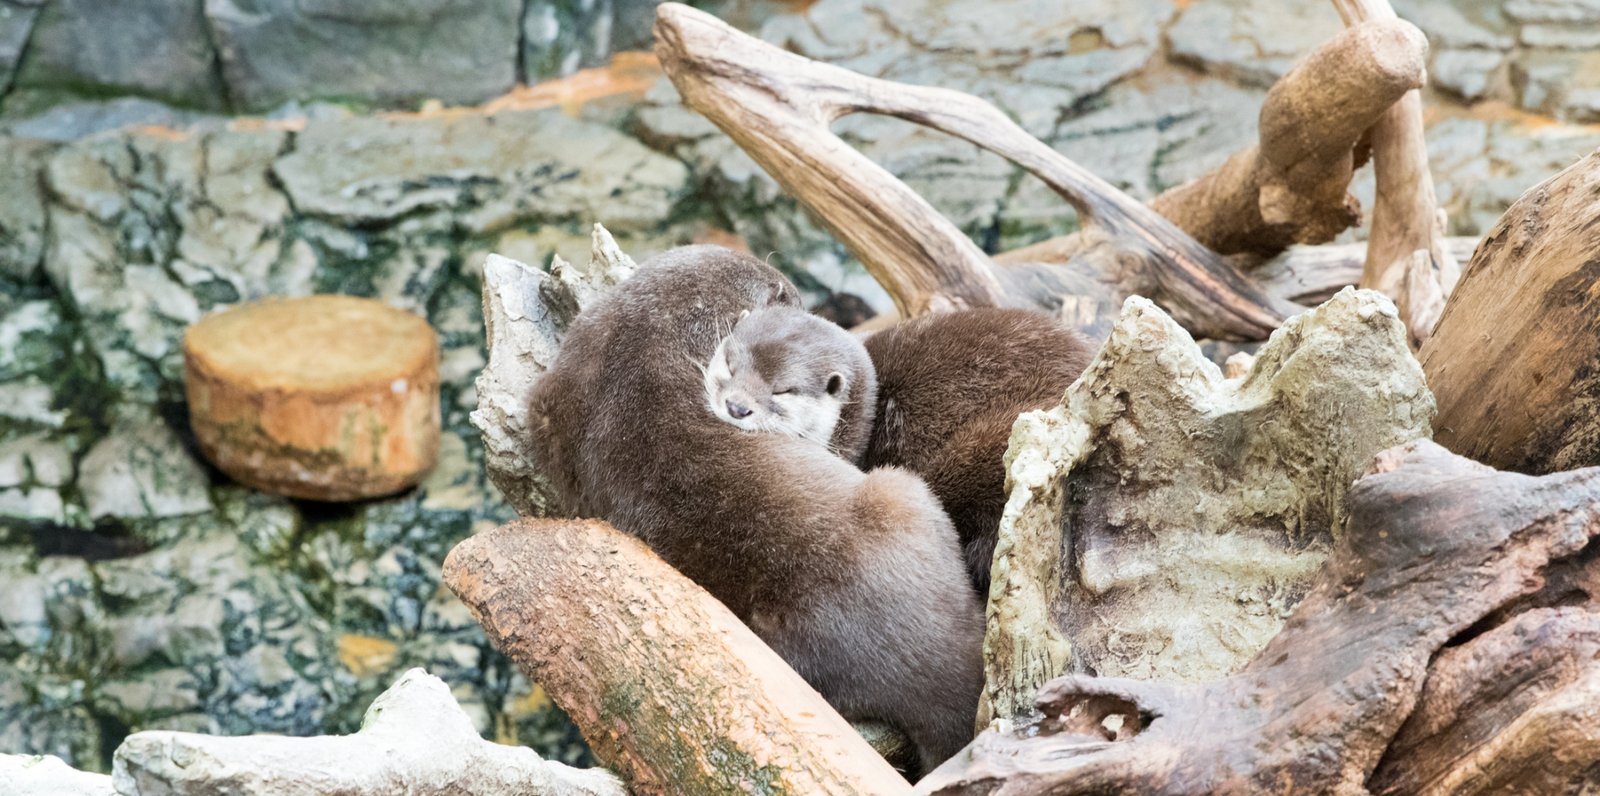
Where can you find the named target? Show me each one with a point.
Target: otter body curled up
(950, 386)
(853, 578)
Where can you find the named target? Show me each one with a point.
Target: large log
(668, 687)
(778, 106)
(1435, 545)
(1515, 359)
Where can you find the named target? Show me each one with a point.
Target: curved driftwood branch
(1294, 186)
(777, 106)
(1435, 545)
(1406, 218)
(1514, 358)
(668, 687)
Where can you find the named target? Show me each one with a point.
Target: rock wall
(142, 590)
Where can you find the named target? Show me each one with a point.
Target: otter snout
(738, 410)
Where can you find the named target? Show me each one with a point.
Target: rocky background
(394, 145)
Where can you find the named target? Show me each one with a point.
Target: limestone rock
(1162, 521)
(391, 53)
(156, 48)
(16, 23)
(414, 733)
(1252, 41)
(22, 217)
(142, 471)
(48, 775)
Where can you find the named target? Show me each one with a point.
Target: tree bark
(1513, 360)
(1435, 544)
(668, 687)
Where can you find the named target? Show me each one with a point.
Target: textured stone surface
(16, 23)
(1251, 41)
(157, 48)
(30, 775)
(390, 53)
(1196, 509)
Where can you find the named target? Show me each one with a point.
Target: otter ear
(742, 315)
(835, 383)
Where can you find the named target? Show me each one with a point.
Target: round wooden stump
(322, 397)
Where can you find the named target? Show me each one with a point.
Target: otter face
(761, 379)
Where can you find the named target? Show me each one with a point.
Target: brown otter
(853, 578)
(950, 386)
(787, 371)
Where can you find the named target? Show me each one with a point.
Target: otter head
(786, 371)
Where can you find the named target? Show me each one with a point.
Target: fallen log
(668, 687)
(1434, 545)
(1513, 360)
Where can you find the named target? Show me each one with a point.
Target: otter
(787, 371)
(950, 386)
(855, 579)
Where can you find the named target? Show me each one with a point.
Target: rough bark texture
(525, 315)
(1293, 187)
(1434, 545)
(321, 397)
(1513, 360)
(777, 106)
(668, 687)
(1406, 219)
(414, 739)
(1165, 520)
(1513, 711)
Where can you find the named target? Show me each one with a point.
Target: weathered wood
(1294, 186)
(668, 687)
(1405, 214)
(1434, 545)
(414, 739)
(319, 397)
(1162, 520)
(1513, 360)
(777, 106)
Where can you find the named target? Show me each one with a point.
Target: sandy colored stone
(322, 397)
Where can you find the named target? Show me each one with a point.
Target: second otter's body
(853, 578)
(950, 386)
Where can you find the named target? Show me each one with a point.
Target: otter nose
(737, 409)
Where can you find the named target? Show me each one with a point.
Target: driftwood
(1515, 359)
(667, 685)
(1434, 545)
(1294, 186)
(777, 106)
(1193, 511)
(1406, 258)
(414, 739)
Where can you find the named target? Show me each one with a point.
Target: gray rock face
(389, 53)
(1251, 41)
(157, 48)
(16, 23)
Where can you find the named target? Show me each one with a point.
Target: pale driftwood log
(1312, 274)
(1406, 218)
(1294, 186)
(414, 739)
(777, 106)
(525, 314)
(1515, 359)
(48, 775)
(1435, 545)
(1162, 521)
(668, 687)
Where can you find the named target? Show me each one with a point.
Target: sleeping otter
(950, 386)
(853, 578)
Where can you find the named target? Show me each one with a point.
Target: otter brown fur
(787, 371)
(853, 578)
(950, 386)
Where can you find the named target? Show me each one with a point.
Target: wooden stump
(322, 397)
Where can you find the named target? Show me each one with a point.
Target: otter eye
(783, 391)
(835, 384)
